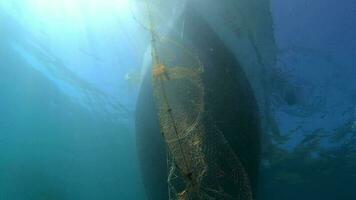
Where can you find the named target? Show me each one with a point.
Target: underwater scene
(177, 100)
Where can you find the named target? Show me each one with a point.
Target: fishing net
(201, 163)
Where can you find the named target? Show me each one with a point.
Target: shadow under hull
(229, 99)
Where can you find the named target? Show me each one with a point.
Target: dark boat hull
(229, 100)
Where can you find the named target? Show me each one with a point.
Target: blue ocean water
(70, 75)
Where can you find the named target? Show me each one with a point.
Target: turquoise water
(64, 131)
(70, 75)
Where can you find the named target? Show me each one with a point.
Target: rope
(156, 62)
(169, 110)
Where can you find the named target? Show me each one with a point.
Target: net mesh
(201, 163)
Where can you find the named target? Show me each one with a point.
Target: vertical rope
(156, 62)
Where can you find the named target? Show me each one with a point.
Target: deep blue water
(69, 79)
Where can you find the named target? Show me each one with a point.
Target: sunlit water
(69, 77)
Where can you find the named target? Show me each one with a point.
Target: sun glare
(75, 7)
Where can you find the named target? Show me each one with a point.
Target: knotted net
(201, 163)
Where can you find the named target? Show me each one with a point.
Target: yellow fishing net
(201, 163)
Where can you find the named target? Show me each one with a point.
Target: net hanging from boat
(201, 163)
